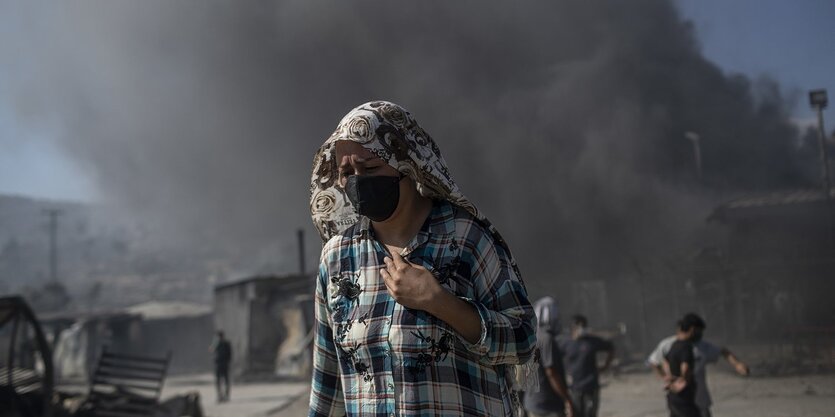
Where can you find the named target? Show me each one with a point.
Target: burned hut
(268, 321)
(78, 340)
(183, 330)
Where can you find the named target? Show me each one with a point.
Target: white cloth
(704, 353)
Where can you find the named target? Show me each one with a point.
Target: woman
(420, 309)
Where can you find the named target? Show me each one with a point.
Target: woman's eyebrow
(372, 158)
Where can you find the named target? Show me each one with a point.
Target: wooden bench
(126, 385)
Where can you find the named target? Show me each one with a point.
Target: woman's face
(353, 159)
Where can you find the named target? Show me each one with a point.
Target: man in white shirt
(704, 353)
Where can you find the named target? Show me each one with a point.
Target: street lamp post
(818, 100)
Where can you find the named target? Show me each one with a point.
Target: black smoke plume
(563, 120)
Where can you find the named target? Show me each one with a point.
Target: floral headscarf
(391, 133)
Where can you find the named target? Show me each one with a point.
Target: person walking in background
(552, 399)
(678, 367)
(222, 350)
(704, 353)
(581, 361)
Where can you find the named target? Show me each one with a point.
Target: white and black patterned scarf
(391, 133)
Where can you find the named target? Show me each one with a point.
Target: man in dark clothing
(679, 364)
(222, 350)
(704, 353)
(581, 361)
(552, 399)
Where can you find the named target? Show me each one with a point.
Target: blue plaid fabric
(374, 357)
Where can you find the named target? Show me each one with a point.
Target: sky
(787, 41)
(790, 41)
(35, 167)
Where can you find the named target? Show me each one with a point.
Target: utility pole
(53, 246)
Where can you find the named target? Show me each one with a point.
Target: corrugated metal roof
(153, 310)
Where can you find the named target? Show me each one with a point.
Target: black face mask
(375, 197)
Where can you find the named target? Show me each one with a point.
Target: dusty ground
(626, 395)
(247, 400)
(639, 395)
(636, 395)
(296, 408)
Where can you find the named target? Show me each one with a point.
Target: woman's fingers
(390, 272)
(390, 267)
(391, 284)
(399, 262)
(386, 277)
(396, 263)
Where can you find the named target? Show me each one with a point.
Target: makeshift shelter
(267, 319)
(183, 329)
(81, 339)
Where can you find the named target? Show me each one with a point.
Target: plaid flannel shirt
(374, 357)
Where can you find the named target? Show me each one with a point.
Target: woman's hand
(410, 285)
(413, 286)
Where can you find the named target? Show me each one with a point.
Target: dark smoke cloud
(563, 120)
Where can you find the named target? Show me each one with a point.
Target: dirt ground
(297, 408)
(635, 395)
(255, 399)
(640, 395)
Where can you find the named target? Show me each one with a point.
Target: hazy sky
(789, 41)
